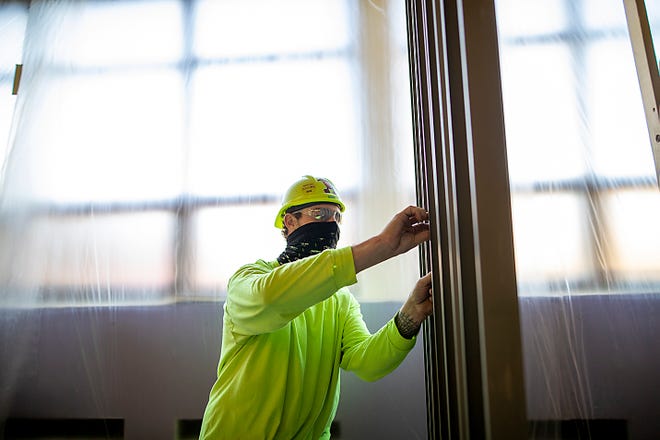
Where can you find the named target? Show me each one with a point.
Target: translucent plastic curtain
(586, 210)
(116, 133)
(147, 150)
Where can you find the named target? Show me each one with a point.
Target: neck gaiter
(310, 239)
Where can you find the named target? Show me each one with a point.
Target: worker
(291, 324)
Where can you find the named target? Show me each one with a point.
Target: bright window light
(585, 200)
(551, 240)
(110, 34)
(228, 237)
(258, 127)
(609, 17)
(13, 19)
(238, 28)
(619, 138)
(155, 137)
(113, 137)
(6, 116)
(541, 17)
(543, 124)
(105, 251)
(633, 218)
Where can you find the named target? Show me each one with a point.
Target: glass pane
(551, 239)
(242, 29)
(632, 216)
(575, 124)
(544, 144)
(616, 121)
(299, 115)
(111, 34)
(114, 137)
(13, 19)
(6, 116)
(98, 259)
(541, 17)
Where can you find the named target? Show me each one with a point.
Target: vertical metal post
(425, 133)
(472, 344)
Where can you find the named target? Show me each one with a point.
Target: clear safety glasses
(322, 214)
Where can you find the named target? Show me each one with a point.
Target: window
(585, 199)
(152, 139)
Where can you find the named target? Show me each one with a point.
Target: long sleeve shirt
(287, 331)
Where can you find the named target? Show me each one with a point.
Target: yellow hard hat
(307, 190)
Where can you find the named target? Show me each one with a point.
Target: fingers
(425, 281)
(423, 287)
(416, 214)
(418, 227)
(416, 222)
(422, 296)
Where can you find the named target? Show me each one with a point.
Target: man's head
(309, 200)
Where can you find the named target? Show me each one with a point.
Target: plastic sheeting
(586, 210)
(144, 159)
(139, 158)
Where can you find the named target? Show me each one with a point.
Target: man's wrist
(369, 253)
(408, 328)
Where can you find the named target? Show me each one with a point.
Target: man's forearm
(406, 325)
(370, 253)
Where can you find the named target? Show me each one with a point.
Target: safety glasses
(322, 214)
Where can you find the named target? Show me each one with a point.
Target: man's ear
(290, 221)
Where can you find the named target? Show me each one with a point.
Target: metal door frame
(473, 354)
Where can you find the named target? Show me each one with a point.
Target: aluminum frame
(473, 349)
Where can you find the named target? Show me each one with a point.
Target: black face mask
(310, 239)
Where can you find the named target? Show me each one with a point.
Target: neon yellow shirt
(287, 330)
